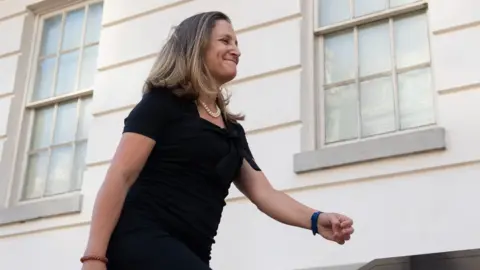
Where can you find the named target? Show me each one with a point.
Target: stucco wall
(408, 205)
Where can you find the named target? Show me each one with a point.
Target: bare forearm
(285, 209)
(106, 212)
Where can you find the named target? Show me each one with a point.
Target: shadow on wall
(457, 260)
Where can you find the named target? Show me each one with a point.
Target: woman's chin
(226, 77)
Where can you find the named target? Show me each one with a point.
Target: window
(371, 82)
(50, 157)
(376, 73)
(60, 101)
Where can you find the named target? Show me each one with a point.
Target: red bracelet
(94, 258)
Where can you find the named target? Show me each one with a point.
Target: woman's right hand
(94, 265)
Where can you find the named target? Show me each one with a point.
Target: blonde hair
(180, 65)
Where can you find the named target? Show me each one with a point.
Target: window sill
(54, 206)
(392, 146)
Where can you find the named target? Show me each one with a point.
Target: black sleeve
(247, 153)
(150, 115)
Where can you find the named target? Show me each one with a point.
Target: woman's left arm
(283, 208)
(274, 203)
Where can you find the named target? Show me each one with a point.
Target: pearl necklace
(212, 114)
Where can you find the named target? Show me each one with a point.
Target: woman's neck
(210, 101)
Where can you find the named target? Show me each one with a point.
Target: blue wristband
(314, 220)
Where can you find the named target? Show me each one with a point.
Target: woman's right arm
(142, 127)
(129, 159)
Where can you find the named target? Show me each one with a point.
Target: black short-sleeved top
(183, 185)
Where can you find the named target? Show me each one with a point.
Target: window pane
(374, 49)
(377, 106)
(42, 128)
(85, 119)
(333, 11)
(396, 3)
(51, 35)
(67, 72)
(79, 165)
(44, 79)
(89, 67)
(415, 98)
(59, 171)
(65, 123)
(72, 34)
(411, 41)
(35, 176)
(341, 113)
(364, 7)
(94, 23)
(339, 57)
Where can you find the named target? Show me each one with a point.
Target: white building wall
(408, 205)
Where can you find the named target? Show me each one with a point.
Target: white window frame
(12, 208)
(314, 153)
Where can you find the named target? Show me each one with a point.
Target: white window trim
(313, 155)
(13, 163)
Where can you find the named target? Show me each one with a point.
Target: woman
(161, 202)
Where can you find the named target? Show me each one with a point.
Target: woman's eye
(225, 41)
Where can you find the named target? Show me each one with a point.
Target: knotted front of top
(229, 166)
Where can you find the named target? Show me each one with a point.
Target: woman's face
(222, 53)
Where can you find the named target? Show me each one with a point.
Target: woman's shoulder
(154, 103)
(159, 93)
(163, 98)
(237, 127)
(156, 109)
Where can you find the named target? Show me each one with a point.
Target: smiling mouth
(232, 60)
